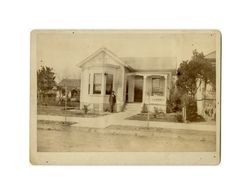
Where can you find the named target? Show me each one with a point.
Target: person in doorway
(112, 101)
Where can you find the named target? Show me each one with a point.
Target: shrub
(156, 112)
(85, 109)
(174, 102)
(179, 117)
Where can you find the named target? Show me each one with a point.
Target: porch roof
(151, 64)
(70, 83)
(151, 73)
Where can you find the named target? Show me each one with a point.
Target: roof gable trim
(108, 52)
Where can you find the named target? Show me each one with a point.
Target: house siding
(104, 62)
(100, 102)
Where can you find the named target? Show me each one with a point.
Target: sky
(63, 50)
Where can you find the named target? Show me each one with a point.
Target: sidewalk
(120, 119)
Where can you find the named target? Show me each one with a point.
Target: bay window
(109, 84)
(97, 85)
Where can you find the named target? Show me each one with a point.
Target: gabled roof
(70, 83)
(108, 52)
(137, 63)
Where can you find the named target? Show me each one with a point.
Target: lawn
(60, 111)
(160, 117)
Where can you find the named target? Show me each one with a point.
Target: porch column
(131, 88)
(81, 90)
(144, 95)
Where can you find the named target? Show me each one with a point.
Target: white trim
(147, 74)
(108, 52)
(104, 66)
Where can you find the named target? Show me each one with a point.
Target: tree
(45, 79)
(45, 82)
(190, 76)
(192, 73)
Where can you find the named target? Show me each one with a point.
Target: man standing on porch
(112, 101)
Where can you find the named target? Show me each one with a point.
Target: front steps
(133, 107)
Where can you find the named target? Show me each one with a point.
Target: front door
(138, 90)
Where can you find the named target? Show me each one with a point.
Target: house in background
(206, 94)
(72, 86)
(138, 82)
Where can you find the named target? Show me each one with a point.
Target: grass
(60, 111)
(54, 124)
(160, 117)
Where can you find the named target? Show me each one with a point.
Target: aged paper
(125, 97)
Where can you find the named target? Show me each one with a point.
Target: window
(97, 83)
(109, 84)
(157, 86)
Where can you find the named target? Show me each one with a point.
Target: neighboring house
(143, 80)
(206, 95)
(72, 86)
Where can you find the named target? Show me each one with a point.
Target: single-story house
(72, 86)
(143, 80)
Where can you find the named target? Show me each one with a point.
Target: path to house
(120, 119)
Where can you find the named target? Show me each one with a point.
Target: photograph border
(121, 158)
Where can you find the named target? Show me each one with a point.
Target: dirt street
(56, 137)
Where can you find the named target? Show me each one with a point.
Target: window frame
(111, 83)
(154, 91)
(95, 92)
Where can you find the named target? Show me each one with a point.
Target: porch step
(133, 107)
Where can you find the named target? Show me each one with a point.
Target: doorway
(138, 90)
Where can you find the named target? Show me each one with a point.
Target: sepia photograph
(125, 97)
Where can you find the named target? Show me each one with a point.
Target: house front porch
(152, 90)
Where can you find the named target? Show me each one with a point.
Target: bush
(85, 109)
(179, 117)
(156, 112)
(174, 102)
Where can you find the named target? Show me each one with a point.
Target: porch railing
(157, 100)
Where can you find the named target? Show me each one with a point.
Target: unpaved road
(56, 137)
